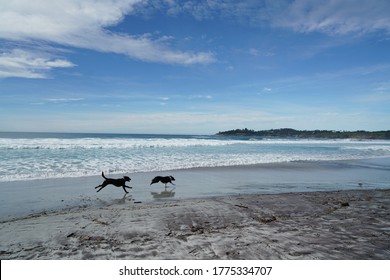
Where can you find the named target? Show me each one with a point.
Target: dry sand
(312, 225)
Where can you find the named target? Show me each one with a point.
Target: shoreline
(21, 198)
(381, 159)
(350, 224)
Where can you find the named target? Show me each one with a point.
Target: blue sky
(194, 67)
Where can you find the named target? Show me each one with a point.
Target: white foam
(129, 143)
(93, 143)
(384, 148)
(26, 159)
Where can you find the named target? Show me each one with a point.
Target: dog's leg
(101, 187)
(128, 187)
(125, 188)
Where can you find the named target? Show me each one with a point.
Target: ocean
(30, 156)
(42, 172)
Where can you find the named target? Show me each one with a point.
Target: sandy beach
(352, 224)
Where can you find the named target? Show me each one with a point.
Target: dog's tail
(103, 175)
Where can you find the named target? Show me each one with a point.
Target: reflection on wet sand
(163, 194)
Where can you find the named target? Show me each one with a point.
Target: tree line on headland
(293, 133)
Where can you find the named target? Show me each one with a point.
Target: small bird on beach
(163, 179)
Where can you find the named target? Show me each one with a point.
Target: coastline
(297, 210)
(313, 134)
(353, 224)
(21, 198)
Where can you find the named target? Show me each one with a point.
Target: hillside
(289, 132)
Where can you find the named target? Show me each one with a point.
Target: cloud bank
(333, 17)
(29, 64)
(86, 24)
(80, 24)
(336, 17)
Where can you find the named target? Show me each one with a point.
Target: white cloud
(336, 17)
(59, 20)
(326, 16)
(29, 64)
(242, 11)
(200, 96)
(61, 100)
(257, 52)
(84, 24)
(265, 91)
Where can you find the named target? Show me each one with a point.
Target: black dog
(165, 180)
(116, 182)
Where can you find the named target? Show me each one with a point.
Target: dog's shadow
(163, 194)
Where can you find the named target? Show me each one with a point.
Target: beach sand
(352, 224)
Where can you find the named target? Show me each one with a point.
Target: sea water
(51, 171)
(29, 156)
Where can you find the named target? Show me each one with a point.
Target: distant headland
(293, 133)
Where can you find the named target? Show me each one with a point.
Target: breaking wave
(52, 157)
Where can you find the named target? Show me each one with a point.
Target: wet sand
(21, 198)
(351, 224)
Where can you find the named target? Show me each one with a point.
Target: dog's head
(172, 179)
(126, 178)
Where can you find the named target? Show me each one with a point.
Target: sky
(194, 67)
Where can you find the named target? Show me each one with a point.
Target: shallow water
(51, 171)
(19, 198)
(30, 156)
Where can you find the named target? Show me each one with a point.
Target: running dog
(116, 182)
(165, 180)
